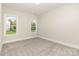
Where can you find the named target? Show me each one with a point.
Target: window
(33, 26)
(10, 25)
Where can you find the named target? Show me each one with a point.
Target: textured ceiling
(33, 8)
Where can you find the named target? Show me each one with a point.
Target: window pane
(33, 26)
(10, 25)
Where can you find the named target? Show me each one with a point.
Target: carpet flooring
(37, 47)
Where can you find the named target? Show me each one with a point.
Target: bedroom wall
(61, 25)
(23, 25)
(0, 26)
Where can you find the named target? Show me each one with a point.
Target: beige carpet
(37, 47)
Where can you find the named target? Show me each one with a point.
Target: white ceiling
(32, 8)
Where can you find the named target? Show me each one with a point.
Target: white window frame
(4, 19)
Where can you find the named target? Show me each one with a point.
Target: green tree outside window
(33, 27)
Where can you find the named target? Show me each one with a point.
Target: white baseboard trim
(53, 40)
(60, 42)
(19, 39)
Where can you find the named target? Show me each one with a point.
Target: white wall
(61, 25)
(0, 27)
(23, 25)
